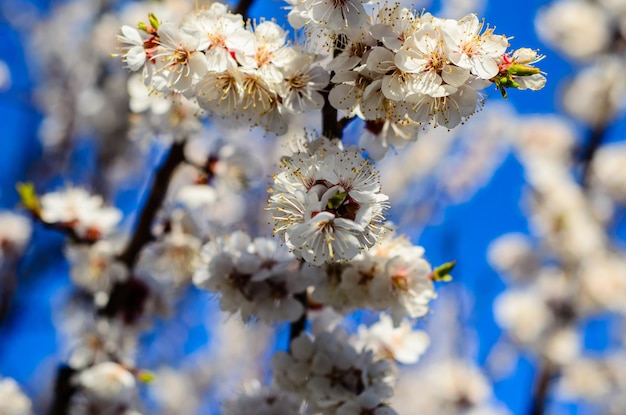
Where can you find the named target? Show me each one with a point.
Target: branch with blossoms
(331, 250)
(398, 71)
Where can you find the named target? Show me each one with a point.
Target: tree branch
(143, 230)
(242, 8)
(63, 391)
(597, 137)
(297, 327)
(547, 371)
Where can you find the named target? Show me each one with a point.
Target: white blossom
(254, 277)
(12, 400)
(326, 203)
(562, 24)
(402, 343)
(392, 276)
(106, 387)
(76, 208)
(328, 373)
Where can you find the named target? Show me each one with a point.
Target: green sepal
(522, 70)
(442, 272)
(142, 26)
(28, 197)
(154, 22)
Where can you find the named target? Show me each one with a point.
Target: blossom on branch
(326, 203)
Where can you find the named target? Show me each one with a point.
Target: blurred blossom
(578, 28)
(446, 387)
(607, 170)
(596, 94)
(12, 399)
(15, 231)
(513, 254)
(401, 343)
(95, 268)
(175, 392)
(549, 137)
(106, 388)
(585, 378)
(75, 208)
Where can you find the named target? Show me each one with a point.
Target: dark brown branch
(597, 137)
(331, 128)
(297, 327)
(66, 229)
(143, 231)
(63, 391)
(8, 283)
(547, 372)
(242, 8)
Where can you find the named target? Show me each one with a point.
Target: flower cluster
(254, 277)
(75, 209)
(326, 203)
(391, 276)
(230, 68)
(403, 70)
(334, 378)
(417, 68)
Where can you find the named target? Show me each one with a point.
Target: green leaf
(145, 376)
(142, 26)
(442, 272)
(154, 22)
(28, 197)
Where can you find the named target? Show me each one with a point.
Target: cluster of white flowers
(230, 68)
(425, 69)
(255, 277)
(326, 203)
(391, 276)
(76, 209)
(396, 70)
(332, 377)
